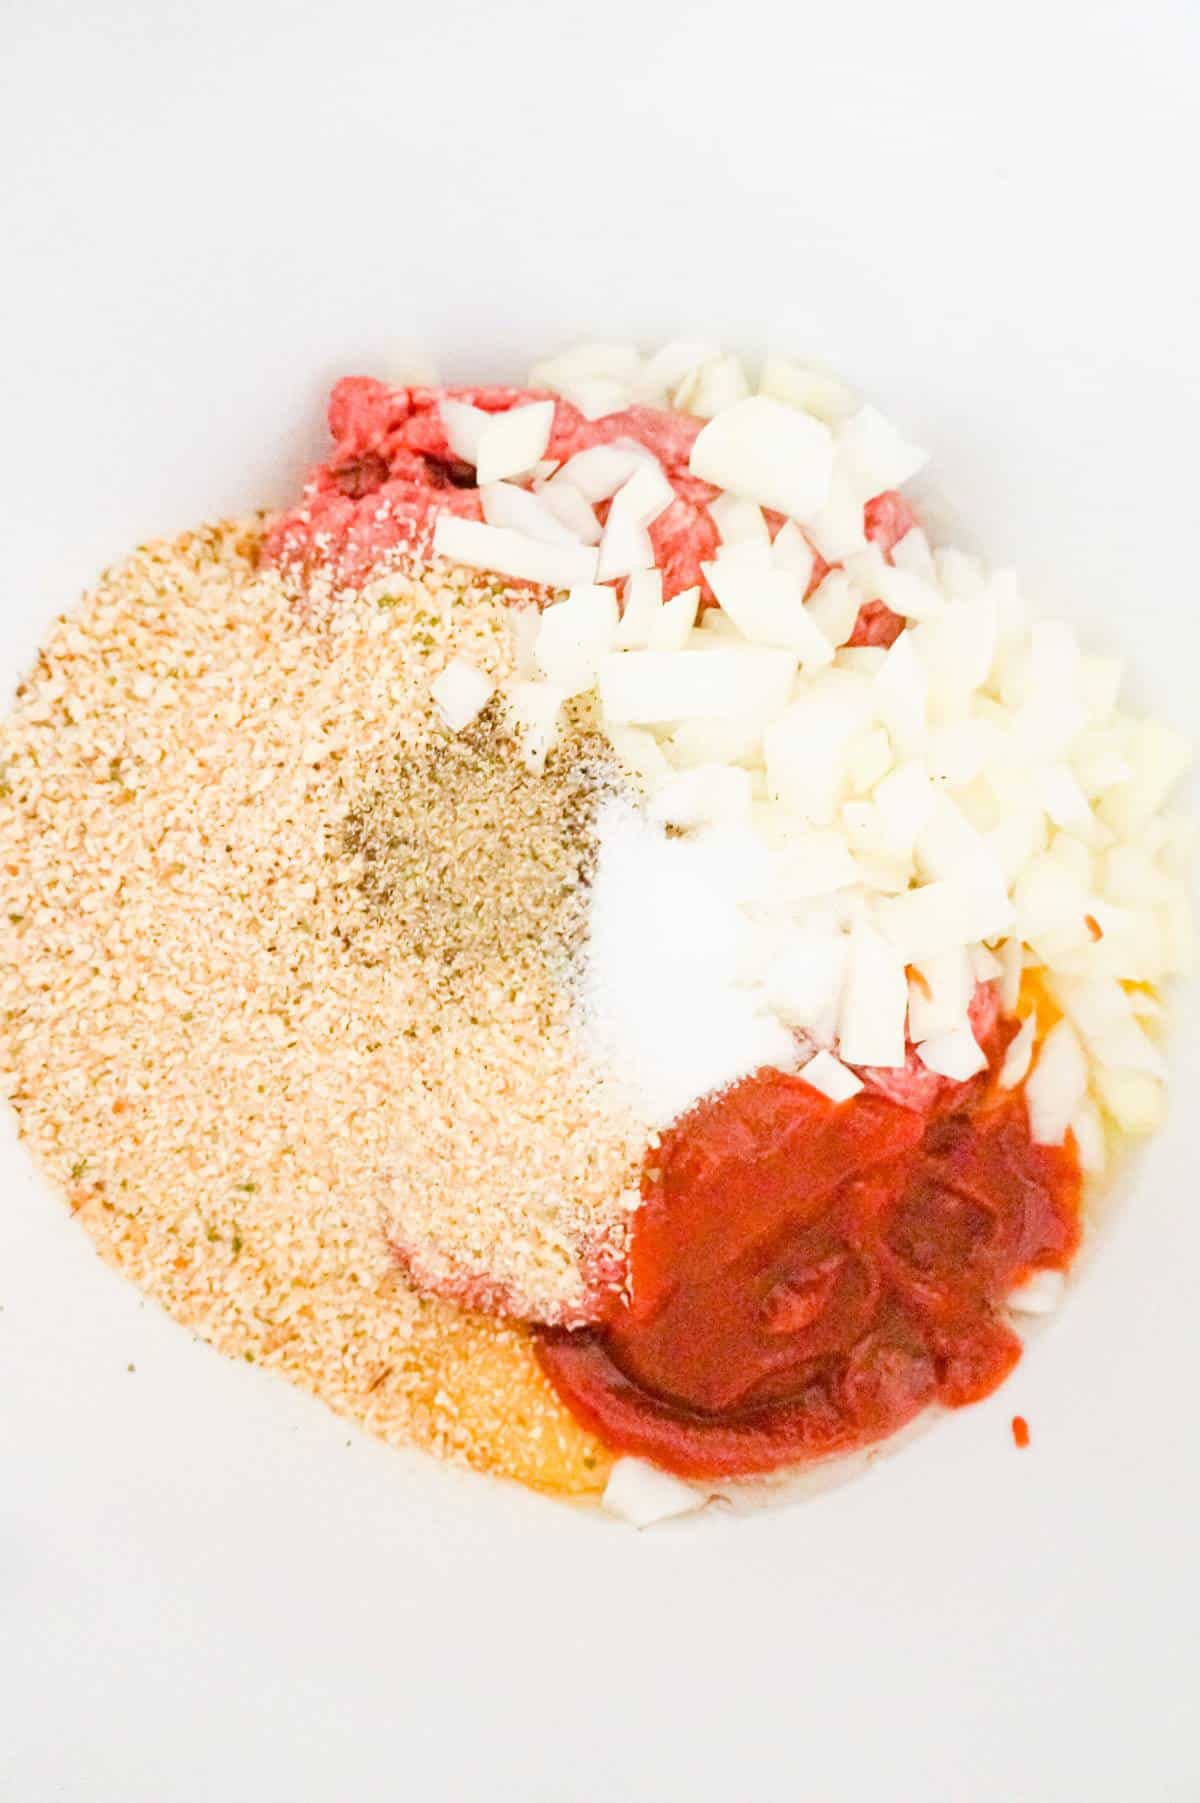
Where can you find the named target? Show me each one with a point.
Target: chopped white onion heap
(888, 828)
(642, 1494)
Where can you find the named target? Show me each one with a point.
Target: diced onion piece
(1012, 959)
(575, 636)
(1087, 1124)
(934, 917)
(673, 623)
(641, 688)
(879, 456)
(662, 373)
(643, 602)
(956, 753)
(912, 553)
(791, 551)
(461, 693)
(957, 647)
(625, 547)
(875, 1002)
(816, 862)
(768, 607)
(939, 993)
(513, 442)
(571, 509)
(708, 793)
(1158, 757)
(1019, 1056)
(1017, 840)
(831, 1077)
(523, 623)
(1061, 796)
(803, 983)
(645, 494)
(1040, 1294)
(641, 752)
(902, 693)
(534, 711)
(506, 505)
(807, 386)
(464, 426)
(904, 799)
(599, 357)
(1056, 1086)
(641, 1494)
(715, 742)
(596, 378)
(834, 607)
(714, 385)
(956, 1054)
(1136, 1102)
(804, 751)
(739, 522)
(1100, 1009)
(408, 365)
(766, 452)
(837, 527)
(912, 596)
(985, 965)
(599, 471)
(868, 760)
(748, 551)
(515, 554)
(948, 848)
(1098, 681)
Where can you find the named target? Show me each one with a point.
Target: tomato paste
(806, 1276)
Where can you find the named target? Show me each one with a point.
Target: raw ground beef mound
(391, 471)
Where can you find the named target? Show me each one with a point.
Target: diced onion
(513, 442)
(1019, 1055)
(640, 688)
(1056, 1086)
(875, 1002)
(956, 1054)
(640, 1494)
(831, 1077)
(461, 693)
(1040, 1294)
(509, 553)
(763, 451)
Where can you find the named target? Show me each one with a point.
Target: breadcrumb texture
(214, 1046)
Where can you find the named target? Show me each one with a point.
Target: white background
(209, 1589)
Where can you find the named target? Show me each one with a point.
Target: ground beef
(392, 470)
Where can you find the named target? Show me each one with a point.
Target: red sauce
(805, 1277)
(1020, 1432)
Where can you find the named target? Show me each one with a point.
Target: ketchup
(806, 1276)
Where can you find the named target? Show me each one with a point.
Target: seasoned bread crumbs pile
(262, 1101)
